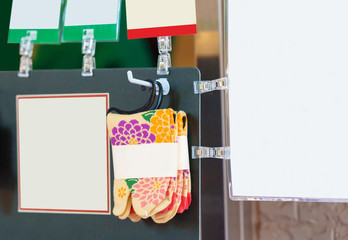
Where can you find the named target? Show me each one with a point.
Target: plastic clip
(164, 60)
(208, 86)
(210, 152)
(26, 48)
(88, 49)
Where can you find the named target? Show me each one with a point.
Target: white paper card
(183, 153)
(91, 12)
(102, 17)
(35, 14)
(154, 18)
(288, 98)
(145, 160)
(63, 156)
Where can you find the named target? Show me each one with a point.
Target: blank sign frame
(288, 101)
(63, 153)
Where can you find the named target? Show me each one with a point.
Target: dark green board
(124, 95)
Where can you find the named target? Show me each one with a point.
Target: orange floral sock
(178, 201)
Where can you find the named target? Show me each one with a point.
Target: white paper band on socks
(145, 160)
(184, 159)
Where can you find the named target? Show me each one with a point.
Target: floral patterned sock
(143, 128)
(164, 124)
(189, 199)
(127, 211)
(168, 200)
(133, 216)
(178, 200)
(121, 196)
(185, 197)
(170, 212)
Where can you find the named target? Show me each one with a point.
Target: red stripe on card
(161, 31)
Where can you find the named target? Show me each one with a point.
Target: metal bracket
(208, 86)
(88, 49)
(210, 152)
(26, 48)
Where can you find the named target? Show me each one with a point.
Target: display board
(124, 95)
(288, 106)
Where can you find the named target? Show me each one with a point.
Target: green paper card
(101, 16)
(39, 17)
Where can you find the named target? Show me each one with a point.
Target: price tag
(155, 18)
(39, 18)
(101, 16)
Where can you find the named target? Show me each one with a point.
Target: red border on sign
(107, 161)
(162, 31)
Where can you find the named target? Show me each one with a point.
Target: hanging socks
(143, 128)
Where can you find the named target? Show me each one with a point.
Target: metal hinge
(210, 152)
(208, 86)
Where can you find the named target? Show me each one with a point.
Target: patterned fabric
(158, 197)
(142, 128)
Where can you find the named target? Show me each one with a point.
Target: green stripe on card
(50, 36)
(103, 32)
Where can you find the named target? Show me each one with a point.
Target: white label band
(145, 160)
(183, 153)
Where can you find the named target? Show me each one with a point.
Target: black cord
(160, 95)
(144, 108)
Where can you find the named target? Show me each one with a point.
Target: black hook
(144, 108)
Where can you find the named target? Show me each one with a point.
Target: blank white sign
(35, 14)
(288, 71)
(90, 12)
(63, 155)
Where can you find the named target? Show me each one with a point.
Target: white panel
(288, 98)
(91, 12)
(63, 153)
(145, 160)
(35, 14)
(183, 153)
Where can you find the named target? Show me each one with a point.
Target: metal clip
(26, 48)
(208, 86)
(164, 60)
(88, 49)
(208, 152)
